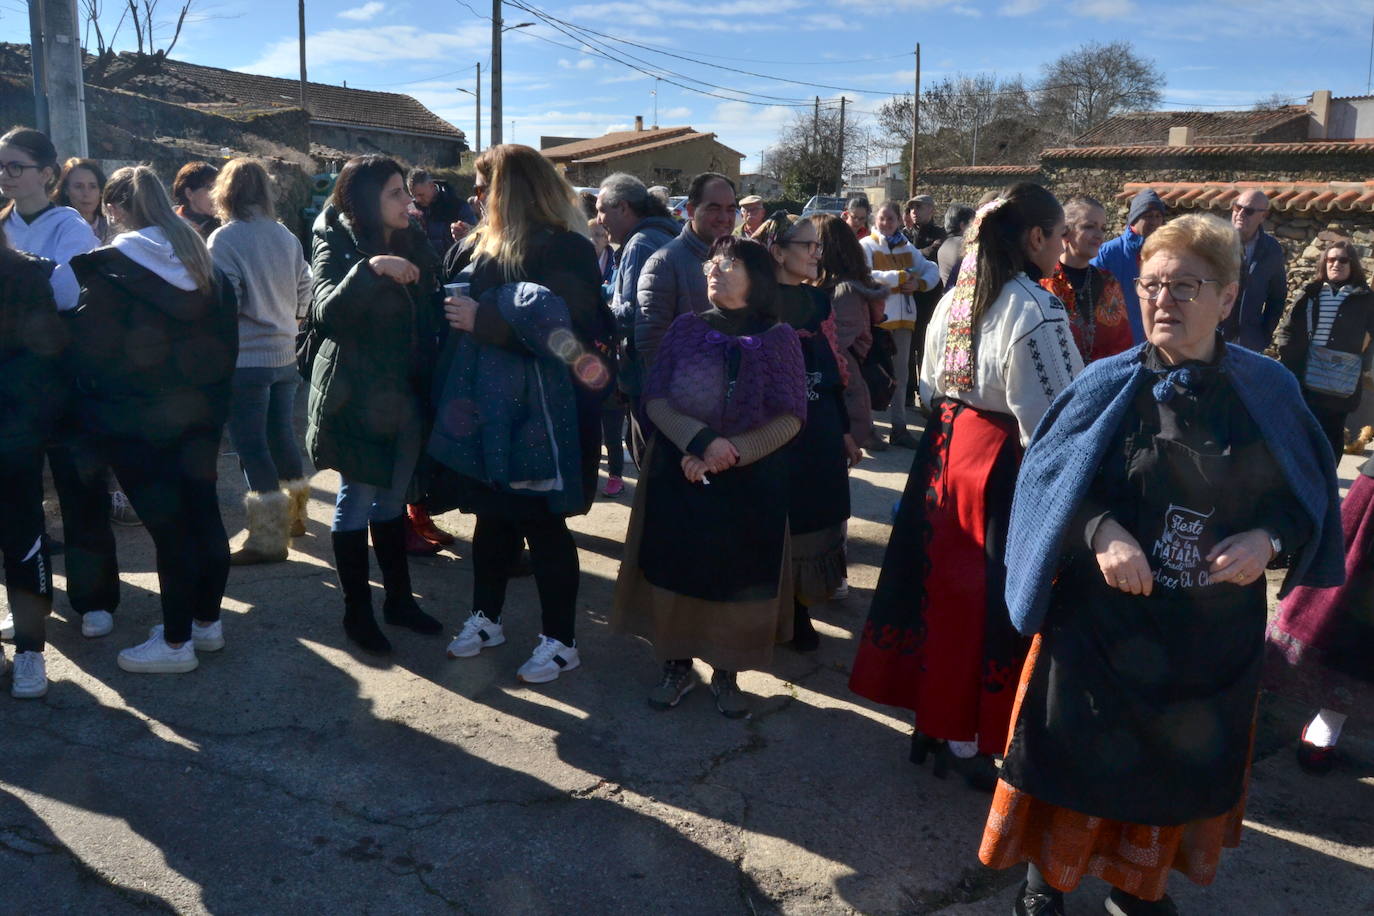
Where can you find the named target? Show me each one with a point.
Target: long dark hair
(762, 298)
(842, 257)
(358, 196)
(1002, 241)
(40, 150)
(1357, 277)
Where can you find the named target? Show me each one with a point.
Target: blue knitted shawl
(1072, 438)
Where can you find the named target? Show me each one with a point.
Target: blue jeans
(260, 425)
(360, 503)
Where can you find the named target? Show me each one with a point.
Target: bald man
(1263, 276)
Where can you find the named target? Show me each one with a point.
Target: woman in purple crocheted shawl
(706, 572)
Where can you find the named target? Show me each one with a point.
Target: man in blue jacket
(1121, 255)
(1263, 276)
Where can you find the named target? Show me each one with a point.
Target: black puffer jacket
(31, 339)
(379, 340)
(149, 361)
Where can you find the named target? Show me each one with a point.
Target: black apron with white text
(1140, 709)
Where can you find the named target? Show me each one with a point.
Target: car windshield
(826, 203)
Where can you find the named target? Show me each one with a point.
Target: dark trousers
(612, 427)
(171, 485)
(28, 570)
(1332, 423)
(496, 544)
(82, 479)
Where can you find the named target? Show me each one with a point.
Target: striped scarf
(959, 358)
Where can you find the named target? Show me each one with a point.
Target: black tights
(496, 544)
(28, 571)
(1036, 883)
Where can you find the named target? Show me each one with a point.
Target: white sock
(1325, 729)
(964, 749)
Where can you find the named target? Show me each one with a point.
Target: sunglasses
(1248, 211)
(1339, 260)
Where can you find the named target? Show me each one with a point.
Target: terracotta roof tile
(659, 143)
(1024, 170)
(597, 146)
(1260, 149)
(1310, 196)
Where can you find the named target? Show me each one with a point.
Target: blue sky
(1226, 53)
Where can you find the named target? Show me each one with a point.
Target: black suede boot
(350, 562)
(804, 635)
(400, 609)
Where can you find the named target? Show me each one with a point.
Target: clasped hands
(1239, 559)
(720, 455)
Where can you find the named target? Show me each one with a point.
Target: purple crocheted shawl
(691, 372)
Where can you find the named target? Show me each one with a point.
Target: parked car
(833, 206)
(677, 206)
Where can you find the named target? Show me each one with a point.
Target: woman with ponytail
(999, 350)
(154, 340)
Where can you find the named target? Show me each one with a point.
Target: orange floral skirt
(1066, 845)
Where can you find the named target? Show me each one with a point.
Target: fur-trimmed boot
(298, 491)
(269, 516)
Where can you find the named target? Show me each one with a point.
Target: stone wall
(408, 148)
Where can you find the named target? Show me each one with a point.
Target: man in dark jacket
(671, 282)
(445, 215)
(1121, 255)
(638, 222)
(1263, 276)
(920, 227)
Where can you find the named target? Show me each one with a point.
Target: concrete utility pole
(301, 16)
(495, 72)
(59, 92)
(839, 188)
(478, 119)
(915, 125)
(816, 126)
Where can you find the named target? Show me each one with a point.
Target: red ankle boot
(424, 526)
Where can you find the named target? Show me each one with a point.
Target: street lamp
(478, 96)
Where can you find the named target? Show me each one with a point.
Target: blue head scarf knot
(1185, 378)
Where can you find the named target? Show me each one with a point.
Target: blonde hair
(242, 191)
(137, 189)
(524, 191)
(1202, 235)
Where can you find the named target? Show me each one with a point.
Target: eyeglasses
(16, 169)
(811, 247)
(724, 265)
(1179, 290)
(1338, 260)
(1248, 211)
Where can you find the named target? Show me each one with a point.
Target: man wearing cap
(1121, 255)
(751, 208)
(918, 219)
(1263, 276)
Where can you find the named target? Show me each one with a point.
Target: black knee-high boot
(400, 609)
(350, 562)
(804, 635)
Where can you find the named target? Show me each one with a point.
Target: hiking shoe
(122, 511)
(156, 657)
(550, 659)
(6, 628)
(30, 676)
(206, 637)
(95, 624)
(478, 633)
(729, 698)
(678, 681)
(614, 487)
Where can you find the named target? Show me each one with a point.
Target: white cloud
(1106, 10)
(363, 13)
(388, 44)
(729, 16)
(1021, 7)
(677, 114)
(969, 11)
(582, 63)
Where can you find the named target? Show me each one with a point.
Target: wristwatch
(1275, 543)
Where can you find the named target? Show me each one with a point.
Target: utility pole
(301, 17)
(478, 119)
(816, 127)
(495, 72)
(915, 124)
(655, 102)
(839, 188)
(59, 92)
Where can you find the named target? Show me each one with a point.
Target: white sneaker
(842, 592)
(478, 633)
(156, 657)
(7, 627)
(550, 659)
(208, 637)
(95, 624)
(30, 676)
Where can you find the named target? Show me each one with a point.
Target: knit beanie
(1142, 203)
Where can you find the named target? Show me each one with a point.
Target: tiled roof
(230, 89)
(598, 146)
(659, 143)
(1321, 196)
(1319, 147)
(1151, 128)
(984, 170)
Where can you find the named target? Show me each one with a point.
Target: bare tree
(806, 158)
(1094, 81)
(967, 120)
(1273, 102)
(143, 16)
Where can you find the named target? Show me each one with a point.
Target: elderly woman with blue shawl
(1152, 497)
